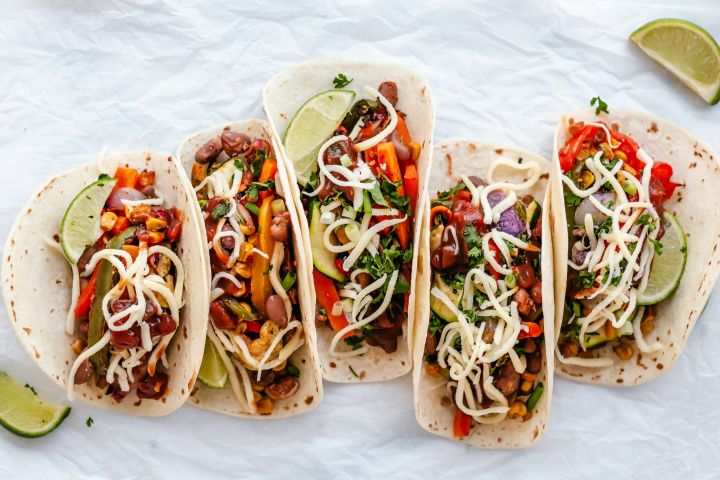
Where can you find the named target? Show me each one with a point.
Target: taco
(358, 158)
(261, 333)
(481, 373)
(631, 191)
(104, 287)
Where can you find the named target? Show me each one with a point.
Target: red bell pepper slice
(663, 172)
(496, 256)
(327, 296)
(253, 326)
(571, 149)
(126, 177)
(86, 296)
(461, 424)
(533, 330)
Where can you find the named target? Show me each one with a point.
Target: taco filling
(614, 196)
(127, 286)
(485, 335)
(255, 317)
(359, 199)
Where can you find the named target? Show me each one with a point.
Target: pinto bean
(283, 389)
(275, 308)
(234, 143)
(279, 227)
(389, 91)
(228, 243)
(209, 151)
(508, 380)
(526, 275)
(534, 361)
(524, 302)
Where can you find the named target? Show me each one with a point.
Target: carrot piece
(268, 171)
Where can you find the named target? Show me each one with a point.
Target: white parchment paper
(78, 75)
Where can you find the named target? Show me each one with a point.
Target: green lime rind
(311, 126)
(25, 414)
(667, 41)
(667, 269)
(80, 225)
(212, 371)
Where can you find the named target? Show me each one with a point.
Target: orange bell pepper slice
(388, 164)
(327, 296)
(267, 172)
(410, 183)
(461, 424)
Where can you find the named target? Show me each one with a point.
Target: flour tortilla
(434, 408)
(37, 282)
(305, 358)
(694, 205)
(283, 96)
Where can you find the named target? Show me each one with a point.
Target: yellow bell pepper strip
(388, 164)
(327, 296)
(106, 279)
(260, 287)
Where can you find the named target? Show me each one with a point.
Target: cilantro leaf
(341, 81)
(221, 210)
(601, 105)
(89, 421)
(571, 200)
(657, 246)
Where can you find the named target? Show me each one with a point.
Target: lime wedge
(666, 269)
(311, 126)
(81, 224)
(24, 413)
(685, 49)
(212, 371)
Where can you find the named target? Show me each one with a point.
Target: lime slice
(311, 126)
(212, 371)
(24, 413)
(81, 224)
(666, 269)
(685, 49)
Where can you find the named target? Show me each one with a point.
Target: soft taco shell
(433, 406)
(696, 167)
(306, 358)
(283, 96)
(37, 282)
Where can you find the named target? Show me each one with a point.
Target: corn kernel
(264, 406)
(621, 155)
(246, 229)
(530, 377)
(623, 351)
(107, 221)
(258, 388)
(154, 224)
(78, 346)
(587, 178)
(155, 237)
(517, 410)
(526, 387)
(246, 251)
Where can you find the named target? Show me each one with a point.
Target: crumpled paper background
(78, 75)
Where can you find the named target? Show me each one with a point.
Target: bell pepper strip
(440, 210)
(461, 424)
(572, 148)
(496, 256)
(106, 279)
(388, 164)
(402, 132)
(267, 172)
(120, 224)
(663, 172)
(533, 331)
(327, 296)
(260, 287)
(410, 183)
(86, 295)
(133, 250)
(253, 326)
(126, 177)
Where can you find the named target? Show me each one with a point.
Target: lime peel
(24, 413)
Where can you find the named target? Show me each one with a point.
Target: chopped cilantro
(571, 200)
(221, 210)
(352, 370)
(292, 369)
(354, 342)
(586, 279)
(89, 421)
(437, 324)
(31, 388)
(657, 246)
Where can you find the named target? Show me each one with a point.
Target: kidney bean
(283, 389)
(152, 387)
(234, 143)
(524, 302)
(508, 380)
(209, 151)
(220, 316)
(536, 293)
(275, 308)
(389, 91)
(84, 372)
(534, 361)
(228, 243)
(526, 275)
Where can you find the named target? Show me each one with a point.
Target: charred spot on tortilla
(500, 151)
